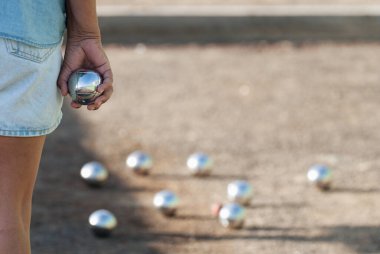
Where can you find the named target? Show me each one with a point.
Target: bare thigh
(19, 162)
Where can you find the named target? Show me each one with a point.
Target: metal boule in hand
(83, 86)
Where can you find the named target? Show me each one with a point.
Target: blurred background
(266, 88)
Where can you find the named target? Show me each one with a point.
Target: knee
(14, 206)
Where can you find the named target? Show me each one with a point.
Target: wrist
(81, 35)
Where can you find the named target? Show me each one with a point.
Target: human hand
(86, 53)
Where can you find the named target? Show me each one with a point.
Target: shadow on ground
(62, 202)
(367, 236)
(200, 29)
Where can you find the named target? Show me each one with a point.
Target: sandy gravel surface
(264, 113)
(219, 2)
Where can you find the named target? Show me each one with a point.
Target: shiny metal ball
(140, 163)
(321, 176)
(166, 202)
(240, 192)
(232, 216)
(83, 86)
(102, 222)
(199, 164)
(94, 174)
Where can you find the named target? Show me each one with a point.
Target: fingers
(62, 81)
(75, 105)
(101, 99)
(105, 89)
(107, 81)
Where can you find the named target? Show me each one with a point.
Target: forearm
(82, 19)
(84, 50)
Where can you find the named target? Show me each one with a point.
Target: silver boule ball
(94, 174)
(240, 192)
(102, 222)
(199, 164)
(232, 216)
(82, 86)
(140, 163)
(166, 202)
(321, 176)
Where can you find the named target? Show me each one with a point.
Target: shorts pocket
(28, 52)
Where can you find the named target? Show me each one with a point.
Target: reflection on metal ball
(321, 176)
(166, 202)
(83, 86)
(94, 174)
(102, 222)
(240, 192)
(200, 164)
(140, 163)
(232, 216)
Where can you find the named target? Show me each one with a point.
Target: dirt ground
(218, 2)
(264, 113)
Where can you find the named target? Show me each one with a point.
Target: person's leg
(19, 162)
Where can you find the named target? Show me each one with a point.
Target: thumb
(63, 79)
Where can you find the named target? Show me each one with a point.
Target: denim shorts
(30, 101)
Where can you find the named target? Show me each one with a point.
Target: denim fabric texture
(30, 101)
(40, 23)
